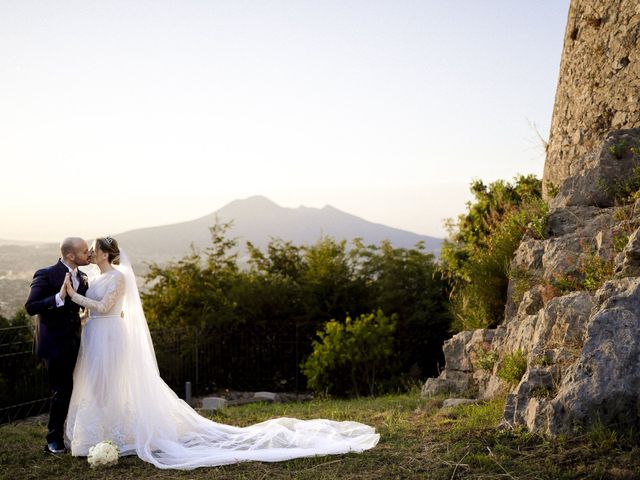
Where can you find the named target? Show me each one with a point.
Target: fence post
(197, 362)
(187, 392)
(297, 366)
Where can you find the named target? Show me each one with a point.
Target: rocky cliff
(567, 354)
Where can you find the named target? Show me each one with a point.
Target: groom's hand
(69, 285)
(63, 289)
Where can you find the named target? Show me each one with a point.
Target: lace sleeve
(114, 291)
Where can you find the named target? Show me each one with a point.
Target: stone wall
(599, 83)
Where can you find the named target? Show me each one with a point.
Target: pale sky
(117, 115)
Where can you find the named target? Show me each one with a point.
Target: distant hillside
(4, 241)
(256, 219)
(17, 265)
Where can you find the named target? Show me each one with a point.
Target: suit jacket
(57, 329)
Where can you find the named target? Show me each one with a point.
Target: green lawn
(418, 441)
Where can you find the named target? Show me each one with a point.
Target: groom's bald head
(75, 251)
(69, 244)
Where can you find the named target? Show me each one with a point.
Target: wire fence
(248, 358)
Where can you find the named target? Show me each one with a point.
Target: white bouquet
(104, 453)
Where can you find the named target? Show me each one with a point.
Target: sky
(116, 115)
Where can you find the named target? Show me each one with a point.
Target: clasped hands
(67, 287)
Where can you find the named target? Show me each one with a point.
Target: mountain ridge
(258, 219)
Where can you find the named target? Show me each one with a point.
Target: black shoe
(55, 447)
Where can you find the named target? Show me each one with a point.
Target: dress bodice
(105, 295)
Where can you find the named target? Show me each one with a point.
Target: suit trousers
(60, 370)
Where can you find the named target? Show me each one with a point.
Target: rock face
(568, 352)
(628, 261)
(604, 384)
(456, 377)
(599, 83)
(576, 323)
(599, 174)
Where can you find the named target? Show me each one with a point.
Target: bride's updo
(109, 245)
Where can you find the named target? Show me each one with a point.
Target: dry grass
(418, 441)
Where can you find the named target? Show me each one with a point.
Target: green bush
(596, 271)
(617, 150)
(486, 358)
(590, 273)
(351, 357)
(513, 367)
(620, 241)
(481, 245)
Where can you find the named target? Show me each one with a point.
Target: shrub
(479, 301)
(552, 189)
(591, 272)
(486, 357)
(351, 357)
(620, 241)
(542, 360)
(513, 367)
(522, 280)
(565, 283)
(596, 271)
(543, 392)
(481, 245)
(617, 150)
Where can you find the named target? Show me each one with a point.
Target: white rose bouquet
(104, 453)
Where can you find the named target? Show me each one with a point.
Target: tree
(292, 290)
(407, 283)
(197, 288)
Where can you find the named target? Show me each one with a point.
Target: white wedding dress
(119, 395)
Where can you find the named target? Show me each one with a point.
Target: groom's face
(81, 254)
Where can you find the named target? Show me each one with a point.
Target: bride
(118, 393)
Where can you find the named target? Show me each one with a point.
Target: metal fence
(211, 360)
(23, 379)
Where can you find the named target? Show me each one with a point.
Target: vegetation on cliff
(481, 244)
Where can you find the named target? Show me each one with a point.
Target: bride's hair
(109, 245)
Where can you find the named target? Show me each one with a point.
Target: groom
(57, 329)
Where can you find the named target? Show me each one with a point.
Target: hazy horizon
(120, 115)
(56, 240)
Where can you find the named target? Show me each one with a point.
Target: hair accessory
(108, 239)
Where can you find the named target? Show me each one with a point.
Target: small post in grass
(187, 392)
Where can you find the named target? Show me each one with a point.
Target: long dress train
(119, 395)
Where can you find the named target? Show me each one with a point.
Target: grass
(418, 440)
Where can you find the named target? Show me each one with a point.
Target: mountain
(258, 219)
